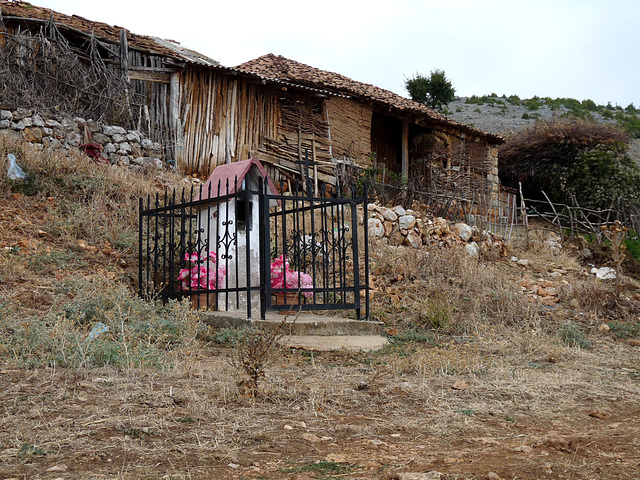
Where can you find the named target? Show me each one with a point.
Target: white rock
(376, 228)
(606, 273)
(37, 121)
(513, 259)
(399, 210)
(406, 222)
(472, 249)
(5, 123)
(133, 136)
(125, 147)
(413, 239)
(6, 115)
(68, 123)
(389, 215)
(593, 270)
(524, 262)
(463, 230)
(51, 123)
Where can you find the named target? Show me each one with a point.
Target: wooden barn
(205, 114)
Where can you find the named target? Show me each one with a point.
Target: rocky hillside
(507, 115)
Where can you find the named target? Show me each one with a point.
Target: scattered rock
(605, 273)
(600, 414)
(472, 249)
(604, 328)
(58, 468)
(310, 437)
(522, 449)
(337, 458)
(433, 475)
(460, 385)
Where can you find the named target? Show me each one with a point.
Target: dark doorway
(386, 141)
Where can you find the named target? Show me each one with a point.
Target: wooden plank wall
(150, 105)
(225, 118)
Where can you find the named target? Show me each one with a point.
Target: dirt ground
(476, 410)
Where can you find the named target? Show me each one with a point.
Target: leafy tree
(598, 176)
(434, 91)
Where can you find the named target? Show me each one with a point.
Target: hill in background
(506, 115)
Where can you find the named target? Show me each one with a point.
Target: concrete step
(324, 343)
(296, 324)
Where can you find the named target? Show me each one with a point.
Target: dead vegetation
(484, 377)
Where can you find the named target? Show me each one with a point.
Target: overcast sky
(583, 49)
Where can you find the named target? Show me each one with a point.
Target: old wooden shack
(205, 114)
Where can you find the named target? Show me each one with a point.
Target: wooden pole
(525, 220)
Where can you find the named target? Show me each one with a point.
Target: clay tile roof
(279, 67)
(228, 178)
(27, 13)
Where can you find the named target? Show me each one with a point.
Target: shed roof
(28, 13)
(279, 67)
(232, 174)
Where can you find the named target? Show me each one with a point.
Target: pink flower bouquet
(283, 277)
(203, 274)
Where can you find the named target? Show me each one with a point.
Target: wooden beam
(149, 76)
(124, 53)
(405, 149)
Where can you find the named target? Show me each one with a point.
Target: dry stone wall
(416, 230)
(119, 145)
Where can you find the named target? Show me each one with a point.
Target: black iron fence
(254, 249)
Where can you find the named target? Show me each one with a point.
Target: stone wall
(119, 145)
(398, 226)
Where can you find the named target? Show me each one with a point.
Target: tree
(435, 91)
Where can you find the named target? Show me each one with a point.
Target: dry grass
(154, 397)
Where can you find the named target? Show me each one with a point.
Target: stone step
(296, 324)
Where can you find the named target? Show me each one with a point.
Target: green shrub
(412, 335)
(625, 329)
(572, 336)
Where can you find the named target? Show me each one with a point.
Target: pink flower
(282, 277)
(203, 274)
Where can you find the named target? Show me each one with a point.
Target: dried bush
(49, 74)
(567, 157)
(253, 350)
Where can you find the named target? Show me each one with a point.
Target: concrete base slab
(323, 343)
(295, 324)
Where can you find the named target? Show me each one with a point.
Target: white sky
(557, 48)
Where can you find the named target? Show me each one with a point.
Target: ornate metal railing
(240, 250)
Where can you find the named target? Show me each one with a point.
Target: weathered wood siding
(350, 128)
(224, 118)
